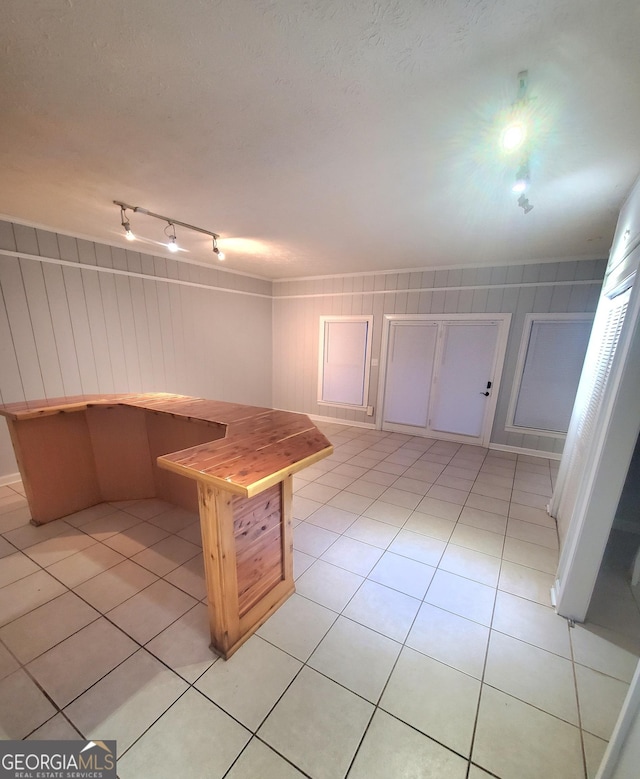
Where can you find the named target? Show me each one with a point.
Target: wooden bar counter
(75, 452)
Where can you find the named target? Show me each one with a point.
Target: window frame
(366, 367)
(529, 321)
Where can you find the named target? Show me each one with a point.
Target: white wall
(557, 287)
(78, 317)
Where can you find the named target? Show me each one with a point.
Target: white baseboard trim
(9, 478)
(345, 422)
(522, 450)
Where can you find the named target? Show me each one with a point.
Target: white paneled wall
(78, 317)
(519, 290)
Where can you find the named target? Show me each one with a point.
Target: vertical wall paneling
(517, 290)
(98, 326)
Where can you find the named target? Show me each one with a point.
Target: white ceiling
(321, 137)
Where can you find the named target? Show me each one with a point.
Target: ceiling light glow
(513, 136)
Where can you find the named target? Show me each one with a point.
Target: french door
(441, 375)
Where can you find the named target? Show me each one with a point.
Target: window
(345, 350)
(552, 351)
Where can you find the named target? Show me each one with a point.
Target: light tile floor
(420, 641)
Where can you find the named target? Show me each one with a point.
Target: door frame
(502, 320)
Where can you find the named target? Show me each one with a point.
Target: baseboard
(9, 478)
(522, 450)
(345, 422)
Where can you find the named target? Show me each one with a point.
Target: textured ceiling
(321, 137)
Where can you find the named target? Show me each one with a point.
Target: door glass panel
(411, 352)
(468, 355)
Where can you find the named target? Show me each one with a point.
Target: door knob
(486, 394)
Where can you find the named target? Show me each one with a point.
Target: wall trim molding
(516, 285)
(9, 478)
(345, 422)
(523, 450)
(132, 274)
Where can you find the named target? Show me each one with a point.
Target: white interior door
(441, 375)
(410, 362)
(465, 377)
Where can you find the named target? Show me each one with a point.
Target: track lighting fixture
(217, 251)
(125, 224)
(524, 204)
(172, 243)
(169, 230)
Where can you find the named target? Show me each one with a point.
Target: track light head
(220, 255)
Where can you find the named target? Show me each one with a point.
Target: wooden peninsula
(75, 452)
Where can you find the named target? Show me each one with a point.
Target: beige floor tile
(354, 556)
(532, 622)
(403, 574)
(600, 699)
(371, 531)
(349, 501)
(461, 596)
(166, 555)
(115, 586)
(16, 566)
(55, 549)
(532, 675)
(451, 639)
(27, 535)
(449, 494)
(190, 577)
(534, 534)
(150, 611)
(86, 564)
(477, 773)
(249, 684)
(367, 489)
(439, 508)
(332, 518)
(531, 555)
(146, 509)
(175, 520)
(107, 525)
(485, 503)
(605, 651)
(434, 698)
(75, 664)
(6, 548)
(389, 513)
(392, 749)
(8, 663)
(192, 534)
(127, 700)
(83, 517)
(28, 593)
(298, 626)
(184, 645)
(58, 728)
(517, 741)
(446, 480)
(491, 490)
(23, 707)
(193, 733)
(304, 507)
(13, 521)
(417, 546)
(44, 627)
(319, 492)
(317, 725)
(416, 486)
(382, 609)
(594, 749)
(136, 539)
(312, 540)
(530, 499)
(427, 525)
(530, 514)
(328, 585)
(474, 565)
(356, 657)
(526, 582)
(484, 520)
(396, 496)
(332, 479)
(258, 760)
(477, 539)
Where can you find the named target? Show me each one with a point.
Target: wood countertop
(253, 448)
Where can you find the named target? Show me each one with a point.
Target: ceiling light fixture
(522, 178)
(172, 244)
(125, 223)
(524, 204)
(217, 251)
